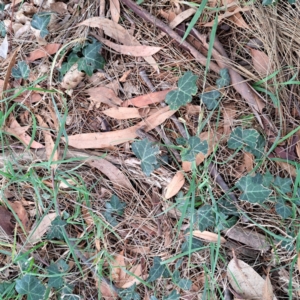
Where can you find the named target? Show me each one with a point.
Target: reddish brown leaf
(107, 291)
(267, 289)
(229, 112)
(103, 94)
(261, 61)
(115, 10)
(19, 132)
(118, 266)
(125, 113)
(148, 99)
(5, 221)
(175, 185)
(59, 7)
(20, 211)
(108, 139)
(43, 52)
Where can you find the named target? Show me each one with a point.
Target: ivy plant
(21, 71)
(114, 208)
(183, 94)
(129, 293)
(56, 229)
(40, 21)
(194, 146)
(86, 56)
(29, 285)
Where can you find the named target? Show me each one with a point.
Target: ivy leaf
(129, 293)
(181, 141)
(92, 59)
(21, 70)
(2, 6)
(29, 285)
(2, 29)
(66, 66)
(268, 2)
(115, 205)
(110, 219)
(56, 229)
(185, 284)
(267, 179)
(284, 184)
(56, 270)
(282, 209)
(226, 207)
(7, 290)
(157, 270)
(183, 94)
(146, 152)
(210, 99)
(153, 298)
(243, 137)
(40, 21)
(172, 296)
(66, 293)
(253, 192)
(206, 217)
(224, 79)
(195, 147)
(194, 245)
(258, 151)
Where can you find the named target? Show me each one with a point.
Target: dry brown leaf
(5, 221)
(103, 94)
(246, 166)
(108, 139)
(125, 75)
(20, 211)
(287, 167)
(118, 267)
(181, 17)
(118, 179)
(238, 20)
(115, 10)
(49, 144)
(37, 33)
(208, 236)
(117, 32)
(148, 99)
(175, 185)
(193, 110)
(229, 113)
(136, 51)
(267, 289)
(86, 216)
(212, 138)
(248, 237)
(244, 280)
(59, 7)
(30, 97)
(72, 78)
(25, 28)
(298, 261)
(228, 14)
(125, 113)
(139, 249)
(298, 149)
(43, 52)
(40, 228)
(261, 61)
(107, 292)
(19, 132)
(130, 280)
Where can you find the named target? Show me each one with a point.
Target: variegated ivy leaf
(146, 152)
(210, 99)
(224, 79)
(29, 285)
(157, 270)
(40, 22)
(243, 137)
(282, 209)
(21, 71)
(183, 94)
(284, 184)
(195, 146)
(253, 191)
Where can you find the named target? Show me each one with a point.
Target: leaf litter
(159, 136)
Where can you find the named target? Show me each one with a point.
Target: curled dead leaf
(175, 185)
(208, 236)
(72, 78)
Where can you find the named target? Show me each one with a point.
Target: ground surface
(136, 165)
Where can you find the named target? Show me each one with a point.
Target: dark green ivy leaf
(157, 269)
(253, 192)
(196, 244)
(195, 146)
(224, 79)
(185, 284)
(56, 229)
(29, 285)
(243, 137)
(57, 270)
(7, 290)
(40, 21)
(268, 2)
(284, 184)
(129, 294)
(183, 94)
(210, 99)
(146, 152)
(66, 66)
(92, 59)
(21, 71)
(2, 6)
(206, 217)
(115, 205)
(282, 209)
